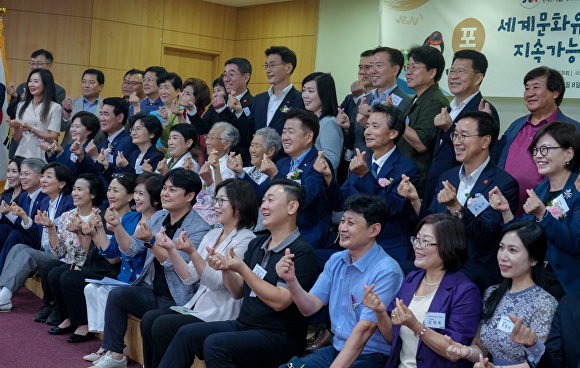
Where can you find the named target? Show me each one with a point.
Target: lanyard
(55, 208)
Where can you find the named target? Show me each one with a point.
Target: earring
(534, 263)
(567, 163)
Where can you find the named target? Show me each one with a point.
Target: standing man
(152, 102)
(132, 84)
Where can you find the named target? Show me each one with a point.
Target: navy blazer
(152, 154)
(395, 234)
(482, 231)
(563, 235)
(314, 220)
(30, 238)
(459, 299)
(444, 153)
(65, 204)
(510, 134)
(64, 159)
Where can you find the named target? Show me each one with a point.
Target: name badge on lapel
(478, 206)
(110, 158)
(434, 320)
(561, 202)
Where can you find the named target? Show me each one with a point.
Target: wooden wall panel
(147, 13)
(195, 17)
(77, 8)
(192, 41)
(187, 64)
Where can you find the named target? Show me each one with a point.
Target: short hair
(218, 82)
(229, 134)
(62, 173)
(373, 208)
(97, 73)
(367, 53)
(96, 187)
(47, 55)
(243, 199)
(187, 132)
(271, 138)
(309, 121)
(394, 118)
(288, 56)
(153, 185)
(567, 136)
(149, 122)
(243, 65)
(395, 56)
(554, 80)
(90, 121)
(478, 60)
(451, 239)
(431, 57)
(158, 70)
(486, 124)
(120, 106)
(200, 92)
(175, 79)
(187, 180)
(35, 164)
(135, 71)
(292, 190)
(326, 90)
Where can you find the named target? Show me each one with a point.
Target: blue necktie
(26, 205)
(374, 169)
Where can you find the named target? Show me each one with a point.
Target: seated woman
(87, 192)
(10, 195)
(523, 292)
(56, 182)
(437, 289)
(145, 132)
(147, 201)
(237, 210)
(180, 141)
(83, 129)
(554, 204)
(158, 285)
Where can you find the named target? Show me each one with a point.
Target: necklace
(426, 283)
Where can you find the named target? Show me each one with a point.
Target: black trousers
(158, 327)
(47, 296)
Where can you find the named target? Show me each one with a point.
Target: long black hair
(48, 95)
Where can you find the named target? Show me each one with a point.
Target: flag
(3, 124)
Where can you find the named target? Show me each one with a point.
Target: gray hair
(271, 138)
(230, 134)
(36, 164)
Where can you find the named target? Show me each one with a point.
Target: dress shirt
(52, 206)
(466, 184)
(112, 137)
(274, 101)
(365, 95)
(381, 160)
(295, 164)
(90, 107)
(375, 98)
(456, 109)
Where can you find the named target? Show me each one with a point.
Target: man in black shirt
(269, 329)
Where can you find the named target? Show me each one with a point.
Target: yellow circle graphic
(469, 34)
(403, 5)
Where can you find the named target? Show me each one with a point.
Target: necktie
(374, 169)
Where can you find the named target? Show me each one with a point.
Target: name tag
(407, 121)
(247, 111)
(396, 99)
(297, 181)
(38, 141)
(261, 273)
(73, 157)
(478, 206)
(505, 324)
(110, 158)
(561, 202)
(434, 320)
(138, 170)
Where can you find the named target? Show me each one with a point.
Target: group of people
(403, 224)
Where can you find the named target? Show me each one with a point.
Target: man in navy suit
(465, 78)
(113, 119)
(380, 173)
(269, 107)
(464, 192)
(298, 137)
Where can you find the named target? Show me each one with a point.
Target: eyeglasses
(211, 137)
(459, 71)
(220, 201)
(26, 174)
(129, 83)
(271, 66)
(38, 63)
(148, 79)
(460, 138)
(543, 150)
(230, 75)
(136, 129)
(421, 243)
(413, 68)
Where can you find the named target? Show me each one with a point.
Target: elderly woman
(554, 204)
(441, 301)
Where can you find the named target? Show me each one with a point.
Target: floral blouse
(68, 248)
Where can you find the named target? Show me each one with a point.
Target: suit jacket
(65, 204)
(459, 299)
(65, 159)
(152, 154)
(444, 153)
(77, 106)
(421, 115)
(29, 238)
(510, 134)
(315, 217)
(394, 236)
(482, 231)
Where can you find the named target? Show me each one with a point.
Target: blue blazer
(563, 236)
(152, 154)
(482, 231)
(394, 236)
(459, 299)
(444, 153)
(64, 158)
(65, 204)
(510, 134)
(314, 220)
(29, 238)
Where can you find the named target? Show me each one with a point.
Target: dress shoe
(321, 339)
(81, 338)
(54, 318)
(43, 314)
(60, 331)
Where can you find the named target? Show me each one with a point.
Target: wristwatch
(458, 214)
(148, 245)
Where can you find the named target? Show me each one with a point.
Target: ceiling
(238, 3)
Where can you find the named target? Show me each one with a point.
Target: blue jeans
(323, 358)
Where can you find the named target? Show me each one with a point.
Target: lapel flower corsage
(284, 109)
(109, 150)
(383, 182)
(555, 210)
(294, 175)
(471, 199)
(568, 194)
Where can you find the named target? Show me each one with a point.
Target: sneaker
(93, 357)
(107, 361)
(54, 318)
(43, 313)
(5, 306)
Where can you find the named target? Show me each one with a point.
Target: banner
(3, 124)
(515, 36)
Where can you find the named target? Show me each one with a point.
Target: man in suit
(103, 161)
(237, 74)
(425, 68)
(465, 78)
(464, 192)
(269, 107)
(380, 173)
(544, 92)
(92, 84)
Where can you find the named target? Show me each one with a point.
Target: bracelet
(67, 110)
(470, 352)
(422, 332)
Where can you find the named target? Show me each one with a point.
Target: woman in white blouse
(38, 116)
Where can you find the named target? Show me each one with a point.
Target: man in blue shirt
(152, 102)
(357, 342)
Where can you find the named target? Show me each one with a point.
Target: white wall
(348, 27)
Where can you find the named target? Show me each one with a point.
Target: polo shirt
(147, 107)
